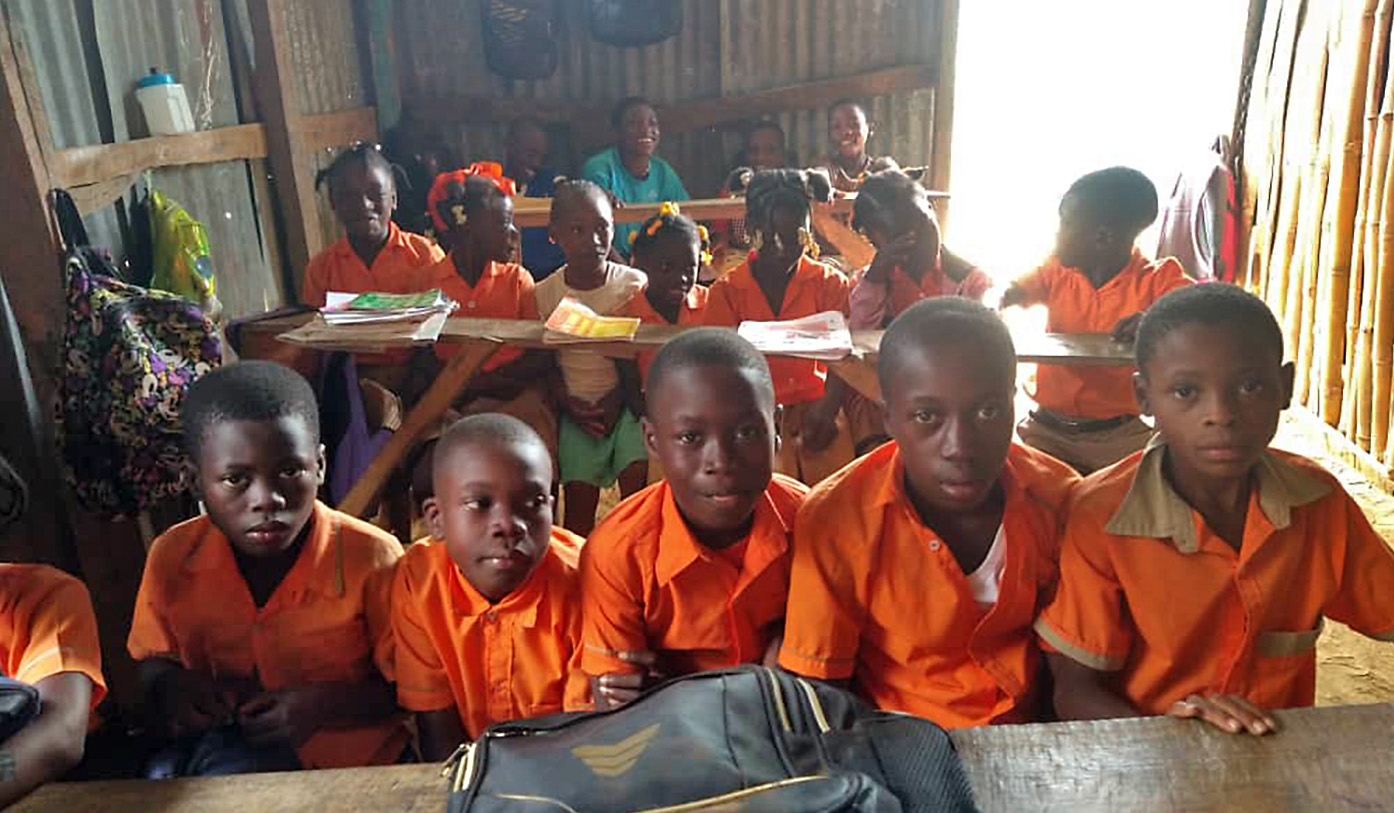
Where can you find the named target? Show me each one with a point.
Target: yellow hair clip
(702, 233)
(458, 213)
(634, 235)
(669, 208)
(706, 257)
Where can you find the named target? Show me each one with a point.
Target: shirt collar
(396, 238)
(520, 605)
(319, 567)
(1152, 508)
(678, 548)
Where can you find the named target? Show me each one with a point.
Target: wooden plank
(941, 157)
(683, 116)
(536, 211)
(1325, 759)
(102, 162)
(449, 383)
(339, 129)
(290, 159)
(97, 196)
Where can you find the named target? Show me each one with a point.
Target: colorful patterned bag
(129, 354)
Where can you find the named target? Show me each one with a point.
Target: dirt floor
(1350, 667)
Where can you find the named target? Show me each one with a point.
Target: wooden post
(378, 18)
(941, 161)
(291, 165)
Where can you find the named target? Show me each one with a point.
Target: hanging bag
(520, 37)
(635, 22)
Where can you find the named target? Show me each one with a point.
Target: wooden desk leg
(451, 381)
(859, 374)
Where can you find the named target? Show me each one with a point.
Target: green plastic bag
(179, 247)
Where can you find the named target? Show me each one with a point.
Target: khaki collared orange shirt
(491, 662)
(648, 585)
(1074, 305)
(400, 268)
(814, 288)
(693, 305)
(47, 627)
(877, 597)
(1149, 592)
(504, 291)
(327, 620)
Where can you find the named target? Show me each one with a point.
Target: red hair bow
(488, 170)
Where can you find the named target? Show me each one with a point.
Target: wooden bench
(1326, 759)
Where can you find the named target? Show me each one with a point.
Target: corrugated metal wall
(726, 47)
(87, 77)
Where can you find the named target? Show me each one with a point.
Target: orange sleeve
(836, 293)
(314, 286)
(1085, 620)
(828, 591)
(422, 682)
(377, 608)
(60, 635)
(151, 633)
(612, 609)
(1365, 600)
(577, 695)
(527, 296)
(1035, 285)
(1168, 277)
(721, 310)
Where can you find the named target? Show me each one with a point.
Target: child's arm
(820, 421)
(616, 655)
(630, 386)
(293, 715)
(440, 733)
(181, 702)
(52, 743)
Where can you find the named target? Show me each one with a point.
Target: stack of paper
(367, 308)
(822, 336)
(573, 322)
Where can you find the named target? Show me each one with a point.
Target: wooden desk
(1328, 759)
(483, 336)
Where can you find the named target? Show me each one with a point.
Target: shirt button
(934, 545)
(470, 304)
(491, 616)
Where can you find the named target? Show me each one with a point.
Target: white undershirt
(987, 579)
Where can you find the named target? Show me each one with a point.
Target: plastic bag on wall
(635, 22)
(520, 37)
(181, 260)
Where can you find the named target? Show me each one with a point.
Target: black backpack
(520, 37)
(749, 738)
(635, 22)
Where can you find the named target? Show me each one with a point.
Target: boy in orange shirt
(258, 625)
(692, 573)
(473, 212)
(48, 638)
(487, 615)
(374, 254)
(919, 569)
(1097, 282)
(782, 280)
(1195, 575)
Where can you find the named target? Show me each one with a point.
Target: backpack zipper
(779, 701)
(733, 797)
(817, 705)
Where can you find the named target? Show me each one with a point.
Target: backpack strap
(70, 226)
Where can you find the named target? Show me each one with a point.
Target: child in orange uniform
(48, 639)
(473, 212)
(669, 249)
(692, 573)
(374, 254)
(1195, 575)
(780, 280)
(919, 569)
(487, 615)
(598, 441)
(1097, 282)
(258, 626)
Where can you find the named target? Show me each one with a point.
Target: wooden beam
(291, 166)
(941, 159)
(329, 130)
(536, 211)
(683, 116)
(102, 162)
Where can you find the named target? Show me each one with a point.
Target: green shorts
(588, 459)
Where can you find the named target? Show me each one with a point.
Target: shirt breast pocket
(326, 652)
(1284, 670)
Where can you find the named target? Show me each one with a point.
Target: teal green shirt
(663, 184)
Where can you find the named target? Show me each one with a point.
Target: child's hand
(889, 258)
(288, 716)
(1228, 712)
(618, 689)
(819, 427)
(192, 702)
(1126, 330)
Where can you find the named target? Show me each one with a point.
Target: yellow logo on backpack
(615, 760)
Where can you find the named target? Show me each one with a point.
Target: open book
(573, 322)
(822, 336)
(357, 309)
(373, 322)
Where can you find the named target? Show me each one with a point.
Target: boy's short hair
(485, 428)
(939, 320)
(245, 391)
(624, 105)
(711, 346)
(1118, 196)
(848, 102)
(882, 197)
(571, 190)
(1211, 303)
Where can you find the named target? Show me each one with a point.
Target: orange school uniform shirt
(504, 291)
(327, 620)
(1149, 592)
(400, 268)
(877, 597)
(814, 288)
(693, 306)
(492, 662)
(47, 627)
(1074, 305)
(648, 585)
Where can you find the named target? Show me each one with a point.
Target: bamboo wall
(1318, 200)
